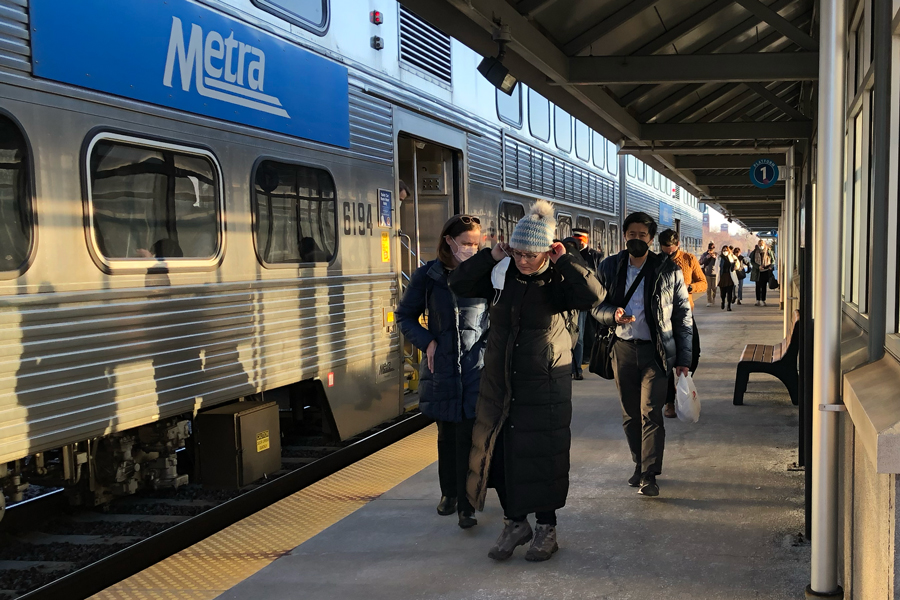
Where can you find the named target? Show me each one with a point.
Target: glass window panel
(563, 226)
(583, 223)
(614, 240)
(510, 213)
(509, 108)
(295, 209)
(631, 165)
(599, 150)
(856, 242)
(538, 116)
(612, 158)
(16, 223)
(600, 235)
(149, 202)
(309, 14)
(562, 126)
(582, 141)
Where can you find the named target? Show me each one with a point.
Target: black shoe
(635, 479)
(467, 520)
(578, 377)
(648, 485)
(447, 506)
(729, 308)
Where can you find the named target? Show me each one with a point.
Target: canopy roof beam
(765, 13)
(764, 130)
(607, 25)
(694, 68)
(725, 162)
(776, 192)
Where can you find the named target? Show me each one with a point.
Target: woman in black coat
(454, 356)
(521, 440)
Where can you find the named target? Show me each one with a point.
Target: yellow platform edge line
(218, 563)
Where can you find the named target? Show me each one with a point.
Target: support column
(789, 251)
(827, 302)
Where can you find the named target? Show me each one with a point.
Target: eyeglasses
(529, 256)
(466, 219)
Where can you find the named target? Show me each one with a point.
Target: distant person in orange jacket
(695, 279)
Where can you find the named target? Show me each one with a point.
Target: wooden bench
(779, 360)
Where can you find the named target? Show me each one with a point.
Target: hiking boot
(447, 506)
(515, 533)
(543, 545)
(635, 480)
(670, 411)
(648, 485)
(467, 519)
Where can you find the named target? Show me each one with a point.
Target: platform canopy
(698, 89)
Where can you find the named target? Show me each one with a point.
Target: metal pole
(827, 301)
(789, 249)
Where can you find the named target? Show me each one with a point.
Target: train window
(311, 15)
(599, 240)
(563, 227)
(631, 165)
(641, 170)
(562, 127)
(153, 201)
(583, 141)
(295, 214)
(599, 150)
(509, 108)
(510, 213)
(612, 158)
(16, 224)
(613, 238)
(538, 115)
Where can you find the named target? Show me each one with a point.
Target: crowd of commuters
(503, 331)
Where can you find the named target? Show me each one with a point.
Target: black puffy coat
(666, 305)
(526, 386)
(460, 326)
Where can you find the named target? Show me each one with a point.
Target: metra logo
(217, 79)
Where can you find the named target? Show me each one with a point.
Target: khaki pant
(710, 288)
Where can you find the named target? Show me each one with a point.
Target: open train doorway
(432, 174)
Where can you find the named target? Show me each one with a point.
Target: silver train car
(210, 214)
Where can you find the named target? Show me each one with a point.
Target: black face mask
(637, 248)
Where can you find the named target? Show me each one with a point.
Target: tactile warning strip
(223, 560)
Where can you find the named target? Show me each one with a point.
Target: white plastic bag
(687, 405)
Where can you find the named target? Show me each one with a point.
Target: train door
(432, 174)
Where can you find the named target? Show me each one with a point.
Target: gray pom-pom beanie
(535, 231)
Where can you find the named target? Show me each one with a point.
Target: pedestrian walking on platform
(727, 277)
(763, 263)
(708, 262)
(592, 259)
(696, 284)
(648, 303)
(521, 441)
(454, 343)
(743, 263)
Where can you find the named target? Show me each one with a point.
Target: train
(201, 206)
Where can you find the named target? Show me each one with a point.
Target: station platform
(727, 523)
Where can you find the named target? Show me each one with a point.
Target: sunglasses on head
(468, 220)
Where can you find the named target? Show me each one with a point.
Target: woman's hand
(556, 250)
(429, 354)
(500, 251)
(620, 317)
(681, 371)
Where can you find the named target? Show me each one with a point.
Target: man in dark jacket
(521, 440)
(654, 331)
(708, 261)
(592, 257)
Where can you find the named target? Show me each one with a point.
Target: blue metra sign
(385, 206)
(764, 173)
(185, 56)
(666, 214)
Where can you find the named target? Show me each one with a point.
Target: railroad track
(51, 552)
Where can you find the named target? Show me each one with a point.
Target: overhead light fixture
(493, 69)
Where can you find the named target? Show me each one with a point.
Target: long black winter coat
(666, 305)
(526, 387)
(460, 326)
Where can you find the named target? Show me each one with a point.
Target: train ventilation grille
(15, 48)
(424, 48)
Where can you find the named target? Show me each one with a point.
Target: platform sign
(186, 56)
(385, 208)
(666, 215)
(764, 173)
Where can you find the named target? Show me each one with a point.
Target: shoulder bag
(601, 352)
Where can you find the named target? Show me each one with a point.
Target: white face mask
(498, 277)
(463, 253)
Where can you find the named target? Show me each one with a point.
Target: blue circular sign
(764, 173)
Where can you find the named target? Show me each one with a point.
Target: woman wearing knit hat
(521, 440)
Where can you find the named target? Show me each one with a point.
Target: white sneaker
(708, 304)
(764, 303)
(757, 303)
